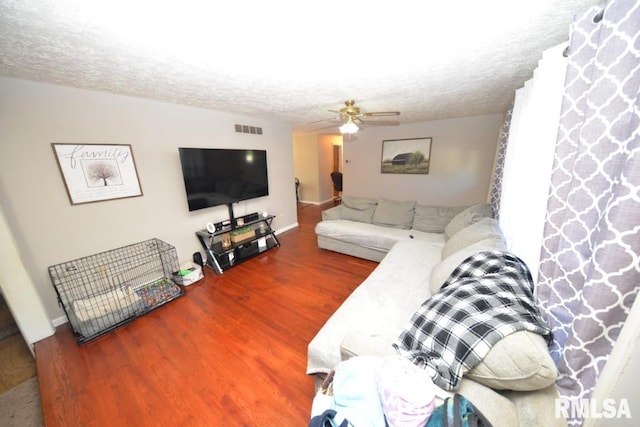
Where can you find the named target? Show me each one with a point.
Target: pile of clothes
(374, 391)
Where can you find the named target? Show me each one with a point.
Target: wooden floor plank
(231, 352)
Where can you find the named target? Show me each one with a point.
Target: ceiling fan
(352, 118)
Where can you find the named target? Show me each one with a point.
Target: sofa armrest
(332, 213)
(537, 408)
(499, 410)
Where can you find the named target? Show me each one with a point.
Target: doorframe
(19, 291)
(337, 164)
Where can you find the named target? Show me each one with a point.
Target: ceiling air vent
(249, 129)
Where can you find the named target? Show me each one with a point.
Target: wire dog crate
(104, 291)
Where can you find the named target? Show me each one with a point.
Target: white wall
(462, 155)
(49, 230)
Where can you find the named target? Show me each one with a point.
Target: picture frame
(406, 156)
(97, 172)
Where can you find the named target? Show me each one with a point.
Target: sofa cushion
(332, 213)
(397, 288)
(360, 203)
(392, 213)
(362, 234)
(433, 219)
(520, 361)
(358, 215)
(442, 270)
(370, 344)
(359, 209)
(483, 229)
(467, 217)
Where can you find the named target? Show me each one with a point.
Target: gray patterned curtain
(496, 185)
(589, 271)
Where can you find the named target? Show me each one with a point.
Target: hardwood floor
(231, 352)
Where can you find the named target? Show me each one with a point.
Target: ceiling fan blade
(332, 120)
(381, 123)
(381, 113)
(351, 114)
(333, 126)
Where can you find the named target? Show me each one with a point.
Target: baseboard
(59, 321)
(287, 228)
(316, 203)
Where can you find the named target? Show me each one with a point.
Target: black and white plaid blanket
(487, 297)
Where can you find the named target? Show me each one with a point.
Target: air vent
(249, 129)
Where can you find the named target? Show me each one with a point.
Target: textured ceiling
(289, 61)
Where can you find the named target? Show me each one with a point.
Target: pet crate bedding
(101, 292)
(105, 304)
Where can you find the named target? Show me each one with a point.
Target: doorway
(17, 364)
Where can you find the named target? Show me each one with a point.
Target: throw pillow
(433, 219)
(359, 215)
(358, 209)
(467, 217)
(332, 213)
(391, 213)
(442, 270)
(360, 203)
(483, 229)
(520, 361)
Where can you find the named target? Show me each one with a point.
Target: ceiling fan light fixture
(349, 127)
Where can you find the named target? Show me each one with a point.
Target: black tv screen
(215, 176)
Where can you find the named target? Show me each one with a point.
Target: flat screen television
(217, 176)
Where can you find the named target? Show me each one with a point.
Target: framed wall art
(406, 156)
(97, 172)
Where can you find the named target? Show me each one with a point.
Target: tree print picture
(102, 173)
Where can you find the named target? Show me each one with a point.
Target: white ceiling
(289, 61)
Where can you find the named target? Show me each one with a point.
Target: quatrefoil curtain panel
(589, 272)
(495, 192)
(571, 143)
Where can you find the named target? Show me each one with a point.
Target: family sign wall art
(97, 172)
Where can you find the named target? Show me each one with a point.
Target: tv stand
(232, 219)
(244, 241)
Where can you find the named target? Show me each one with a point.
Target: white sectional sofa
(368, 228)
(418, 247)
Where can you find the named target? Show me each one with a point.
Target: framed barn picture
(97, 172)
(406, 156)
